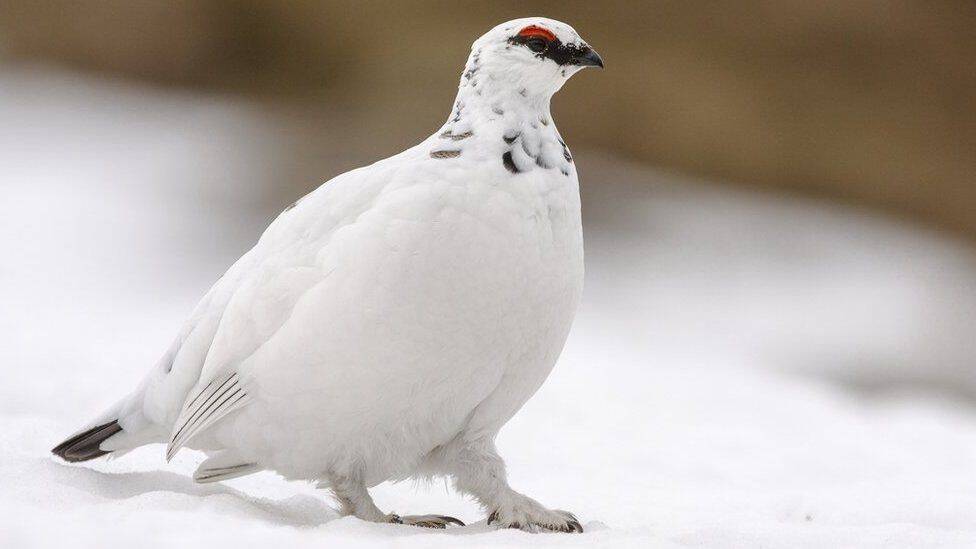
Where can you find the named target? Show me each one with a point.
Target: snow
(746, 370)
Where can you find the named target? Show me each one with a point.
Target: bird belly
(432, 307)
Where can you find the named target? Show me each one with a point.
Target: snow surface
(745, 371)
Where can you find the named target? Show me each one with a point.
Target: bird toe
(430, 521)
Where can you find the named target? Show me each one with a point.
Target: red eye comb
(535, 30)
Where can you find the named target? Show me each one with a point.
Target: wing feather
(224, 465)
(219, 397)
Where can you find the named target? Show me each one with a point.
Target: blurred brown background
(868, 102)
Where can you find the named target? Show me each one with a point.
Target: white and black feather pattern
(221, 396)
(224, 465)
(208, 475)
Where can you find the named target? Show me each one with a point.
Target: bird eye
(537, 45)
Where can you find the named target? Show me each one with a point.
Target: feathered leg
(354, 499)
(479, 471)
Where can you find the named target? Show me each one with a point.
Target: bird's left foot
(428, 521)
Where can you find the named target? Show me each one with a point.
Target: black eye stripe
(562, 54)
(537, 44)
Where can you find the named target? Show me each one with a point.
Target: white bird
(389, 323)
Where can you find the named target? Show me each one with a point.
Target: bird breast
(423, 301)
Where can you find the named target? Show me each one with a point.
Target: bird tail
(87, 444)
(106, 433)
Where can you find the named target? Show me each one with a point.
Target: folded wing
(222, 395)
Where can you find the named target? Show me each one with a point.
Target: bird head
(534, 57)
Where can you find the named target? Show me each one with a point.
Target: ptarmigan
(387, 325)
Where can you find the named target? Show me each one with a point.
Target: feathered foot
(355, 500)
(426, 521)
(538, 518)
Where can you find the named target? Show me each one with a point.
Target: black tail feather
(84, 446)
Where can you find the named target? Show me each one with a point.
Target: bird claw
(430, 521)
(572, 525)
(569, 525)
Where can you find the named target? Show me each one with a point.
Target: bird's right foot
(530, 516)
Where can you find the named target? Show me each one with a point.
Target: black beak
(589, 58)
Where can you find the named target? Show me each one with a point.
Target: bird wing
(221, 396)
(257, 296)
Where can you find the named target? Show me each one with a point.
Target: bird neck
(500, 102)
(500, 111)
(489, 94)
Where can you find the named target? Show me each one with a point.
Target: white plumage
(390, 322)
